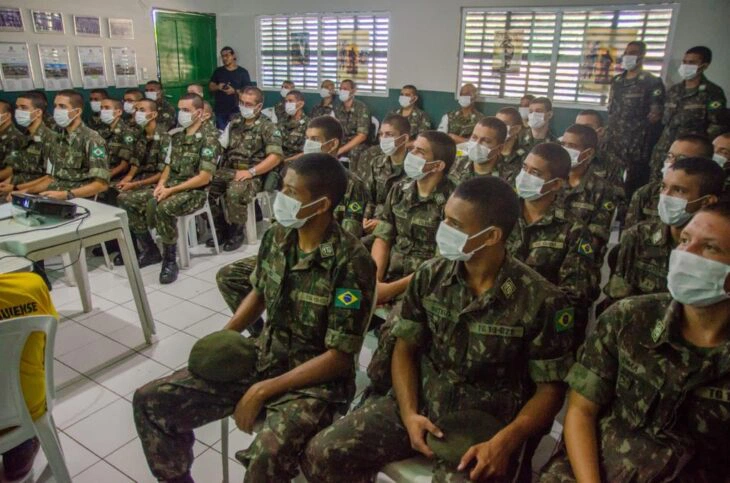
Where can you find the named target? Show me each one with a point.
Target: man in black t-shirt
(224, 84)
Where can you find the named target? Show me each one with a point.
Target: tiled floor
(93, 409)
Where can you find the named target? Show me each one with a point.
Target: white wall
(138, 10)
(425, 33)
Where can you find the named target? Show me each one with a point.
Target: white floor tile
(102, 281)
(183, 314)
(111, 320)
(101, 472)
(202, 263)
(187, 288)
(63, 294)
(208, 275)
(75, 311)
(120, 293)
(172, 351)
(207, 467)
(127, 375)
(77, 458)
(80, 400)
(209, 434)
(106, 430)
(131, 461)
(208, 325)
(63, 374)
(158, 301)
(92, 356)
(71, 336)
(151, 277)
(237, 440)
(211, 299)
(133, 337)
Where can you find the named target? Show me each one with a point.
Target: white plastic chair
(13, 411)
(264, 200)
(184, 232)
(270, 112)
(412, 470)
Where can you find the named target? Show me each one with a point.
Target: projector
(42, 206)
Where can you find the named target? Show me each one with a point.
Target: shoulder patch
(508, 288)
(657, 92)
(564, 319)
(347, 298)
(715, 105)
(98, 152)
(658, 330)
(128, 139)
(609, 205)
(354, 207)
(326, 250)
(584, 247)
(206, 152)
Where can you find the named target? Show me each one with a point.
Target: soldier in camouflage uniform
(481, 155)
(122, 145)
(11, 139)
(317, 292)
(538, 125)
(512, 153)
(354, 116)
(551, 241)
(644, 203)
(165, 111)
(502, 348)
(280, 107)
(252, 149)
(651, 387)
(610, 171)
(190, 165)
(694, 106)
(131, 97)
(326, 106)
(96, 96)
(293, 127)
(460, 123)
(417, 118)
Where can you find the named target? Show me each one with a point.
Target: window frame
(560, 11)
(320, 16)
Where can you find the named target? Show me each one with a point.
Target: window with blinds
(567, 54)
(310, 48)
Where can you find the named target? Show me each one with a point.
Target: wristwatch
(70, 195)
(252, 171)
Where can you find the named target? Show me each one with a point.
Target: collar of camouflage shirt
(324, 256)
(504, 285)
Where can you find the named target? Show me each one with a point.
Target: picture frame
(121, 28)
(92, 63)
(16, 71)
(47, 22)
(11, 20)
(55, 67)
(87, 26)
(124, 67)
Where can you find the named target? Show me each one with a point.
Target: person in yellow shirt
(24, 294)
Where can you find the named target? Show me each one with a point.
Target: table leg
(81, 274)
(136, 283)
(66, 260)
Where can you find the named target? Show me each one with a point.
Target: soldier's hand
(369, 225)
(163, 194)
(157, 190)
(56, 195)
(385, 292)
(249, 407)
(417, 426)
(492, 460)
(242, 175)
(5, 188)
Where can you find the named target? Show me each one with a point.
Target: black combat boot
(169, 264)
(149, 254)
(221, 232)
(118, 260)
(235, 238)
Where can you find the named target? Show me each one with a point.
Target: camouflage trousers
(379, 367)
(235, 195)
(361, 443)
(62, 185)
(234, 281)
(167, 410)
(145, 212)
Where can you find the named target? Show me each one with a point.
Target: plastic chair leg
(213, 233)
(107, 260)
(182, 242)
(224, 447)
(48, 437)
(251, 236)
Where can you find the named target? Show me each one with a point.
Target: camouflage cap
(462, 430)
(223, 356)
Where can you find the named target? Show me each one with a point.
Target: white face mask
(695, 280)
(465, 101)
(404, 101)
(687, 71)
(95, 106)
(628, 62)
(23, 118)
(290, 108)
(129, 107)
(140, 118)
(413, 166)
(719, 159)
(478, 153)
(388, 145)
(451, 242)
(185, 118)
(325, 93)
(536, 120)
(524, 112)
(344, 96)
(151, 95)
(673, 210)
(529, 186)
(574, 156)
(107, 116)
(247, 112)
(284, 91)
(286, 209)
(312, 146)
(61, 117)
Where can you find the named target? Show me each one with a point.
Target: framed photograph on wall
(121, 28)
(93, 67)
(87, 26)
(47, 22)
(124, 62)
(55, 67)
(15, 69)
(11, 20)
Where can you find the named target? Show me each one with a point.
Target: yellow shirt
(21, 295)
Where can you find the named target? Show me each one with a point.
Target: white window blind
(310, 48)
(568, 54)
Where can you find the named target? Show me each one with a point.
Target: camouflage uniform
(29, 161)
(696, 111)
(280, 110)
(98, 125)
(10, 140)
(643, 261)
(483, 352)
(512, 163)
(644, 204)
(121, 143)
(166, 116)
(189, 155)
(349, 213)
(322, 110)
(314, 302)
(248, 145)
(293, 134)
(418, 119)
(527, 141)
(664, 402)
(355, 121)
(77, 159)
(409, 225)
(381, 177)
(463, 169)
(461, 125)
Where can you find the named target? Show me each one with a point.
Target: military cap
(223, 356)
(462, 430)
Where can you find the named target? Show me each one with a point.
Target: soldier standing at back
(166, 112)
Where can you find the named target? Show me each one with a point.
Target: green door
(186, 50)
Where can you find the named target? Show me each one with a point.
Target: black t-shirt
(238, 79)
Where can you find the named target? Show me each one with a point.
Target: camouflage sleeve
(411, 324)
(165, 152)
(352, 301)
(551, 349)
(209, 154)
(352, 223)
(363, 121)
(386, 228)
(633, 212)
(619, 285)
(139, 150)
(98, 156)
(258, 277)
(579, 273)
(371, 190)
(424, 123)
(127, 150)
(272, 139)
(611, 95)
(594, 374)
(600, 222)
(657, 94)
(717, 121)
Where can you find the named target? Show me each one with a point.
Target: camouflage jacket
(463, 169)
(166, 116)
(488, 351)
(280, 110)
(527, 141)
(293, 134)
(10, 140)
(462, 125)
(644, 204)
(97, 125)
(314, 302)
(156, 151)
(418, 119)
(409, 225)
(30, 161)
(355, 121)
(349, 213)
(191, 154)
(643, 261)
(78, 158)
(121, 143)
(247, 145)
(664, 402)
(512, 162)
(322, 110)
(382, 175)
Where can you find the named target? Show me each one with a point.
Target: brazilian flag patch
(98, 152)
(609, 205)
(348, 298)
(207, 152)
(564, 319)
(585, 248)
(128, 139)
(354, 207)
(715, 105)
